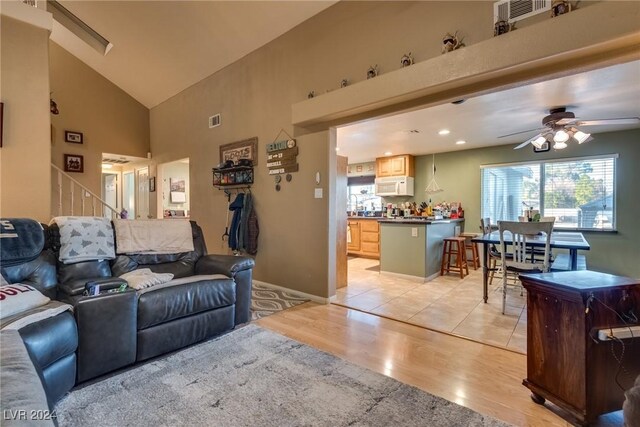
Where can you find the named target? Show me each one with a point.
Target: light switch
(414, 231)
(317, 193)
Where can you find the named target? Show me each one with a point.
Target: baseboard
(313, 298)
(403, 276)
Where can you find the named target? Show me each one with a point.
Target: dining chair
(516, 258)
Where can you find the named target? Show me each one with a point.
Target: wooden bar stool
(454, 246)
(473, 247)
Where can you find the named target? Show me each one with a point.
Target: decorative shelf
(239, 176)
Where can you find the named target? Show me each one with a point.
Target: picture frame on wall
(73, 163)
(245, 149)
(73, 137)
(152, 184)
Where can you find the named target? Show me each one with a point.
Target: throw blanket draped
(21, 240)
(153, 236)
(52, 308)
(84, 238)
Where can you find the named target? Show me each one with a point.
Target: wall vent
(516, 10)
(214, 121)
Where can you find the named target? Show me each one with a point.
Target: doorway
(110, 193)
(142, 193)
(175, 187)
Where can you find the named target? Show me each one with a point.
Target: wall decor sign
(282, 157)
(73, 163)
(74, 137)
(245, 149)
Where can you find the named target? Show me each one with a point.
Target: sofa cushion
(171, 301)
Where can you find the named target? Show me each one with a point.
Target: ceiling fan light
(560, 137)
(581, 136)
(559, 145)
(539, 141)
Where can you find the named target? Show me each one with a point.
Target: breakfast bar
(413, 246)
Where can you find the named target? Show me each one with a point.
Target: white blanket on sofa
(153, 236)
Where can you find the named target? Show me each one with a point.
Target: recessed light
(107, 166)
(337, 149)
(461, 142)
(388, 153)
(444, 132)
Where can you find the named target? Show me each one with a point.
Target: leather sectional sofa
(210, 294)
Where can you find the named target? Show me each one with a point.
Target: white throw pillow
(144, 277)
(17, 298)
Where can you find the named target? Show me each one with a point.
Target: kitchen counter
(414, 246)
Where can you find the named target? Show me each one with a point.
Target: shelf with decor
(233, 177)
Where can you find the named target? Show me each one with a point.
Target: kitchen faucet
(354, 211)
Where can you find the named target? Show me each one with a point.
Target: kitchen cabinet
(365, 238)
(395, 166)
(353, 245)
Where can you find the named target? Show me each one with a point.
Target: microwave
(394, 186)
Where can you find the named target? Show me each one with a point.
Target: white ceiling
(162, 47)
(611, 92)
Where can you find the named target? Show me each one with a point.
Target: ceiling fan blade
(524, 131)
(527, 142)
(563, 122)
(597, 122)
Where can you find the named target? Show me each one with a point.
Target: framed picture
(1, 120)
(73, 163)
(74, 137)
(246, 149)
(152, 184)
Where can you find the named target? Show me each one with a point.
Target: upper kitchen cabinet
(395, 166)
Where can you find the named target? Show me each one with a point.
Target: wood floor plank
(481, 377)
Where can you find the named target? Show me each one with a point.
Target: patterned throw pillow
(17, 298)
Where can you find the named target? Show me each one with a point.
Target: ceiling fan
(561, 125)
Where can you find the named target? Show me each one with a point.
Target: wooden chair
(516, 258)
(494, 255)
(454, 246)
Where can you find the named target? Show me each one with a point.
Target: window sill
(586, 230)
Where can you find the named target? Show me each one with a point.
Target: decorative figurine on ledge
(502, 27)
(560, 7)
(311, 94)
(407, 60)
(451, 42)
(344, 83)
(372, 72)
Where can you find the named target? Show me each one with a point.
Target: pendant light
(433, 186)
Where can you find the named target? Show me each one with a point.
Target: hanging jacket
(252, 233)
(236, 208)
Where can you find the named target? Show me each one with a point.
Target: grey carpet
(254, 377)
(266, 301)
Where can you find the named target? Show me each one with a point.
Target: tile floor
(447, 303)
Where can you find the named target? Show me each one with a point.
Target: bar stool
(473, 247)
(454, 246)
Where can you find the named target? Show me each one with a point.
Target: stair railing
(76, 205)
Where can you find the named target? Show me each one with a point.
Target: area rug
(266, 301)
(255, 377)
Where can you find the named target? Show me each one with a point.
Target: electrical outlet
(414, 231)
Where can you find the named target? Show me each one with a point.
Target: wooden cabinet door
(383, 167)
(354, 229)
(398, 166)
(370, 238)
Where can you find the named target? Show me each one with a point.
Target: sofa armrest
(228, 265)
(240, 269)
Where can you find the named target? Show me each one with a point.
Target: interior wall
(110, 120)
(25, 156)
(458, 173)
(254, 96)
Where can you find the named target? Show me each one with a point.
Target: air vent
(214, 121)
(516, 10)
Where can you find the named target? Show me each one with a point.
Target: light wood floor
(447, 303)
(481, 377)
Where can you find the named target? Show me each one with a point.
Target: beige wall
(111, 121)
(26, 152)
(255, 96)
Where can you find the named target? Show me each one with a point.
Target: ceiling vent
(516, 10)
(214, 121)
(116, 161)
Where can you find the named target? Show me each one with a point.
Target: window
(361, 195)
(579, 193)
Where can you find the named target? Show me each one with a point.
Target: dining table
(571, 240)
